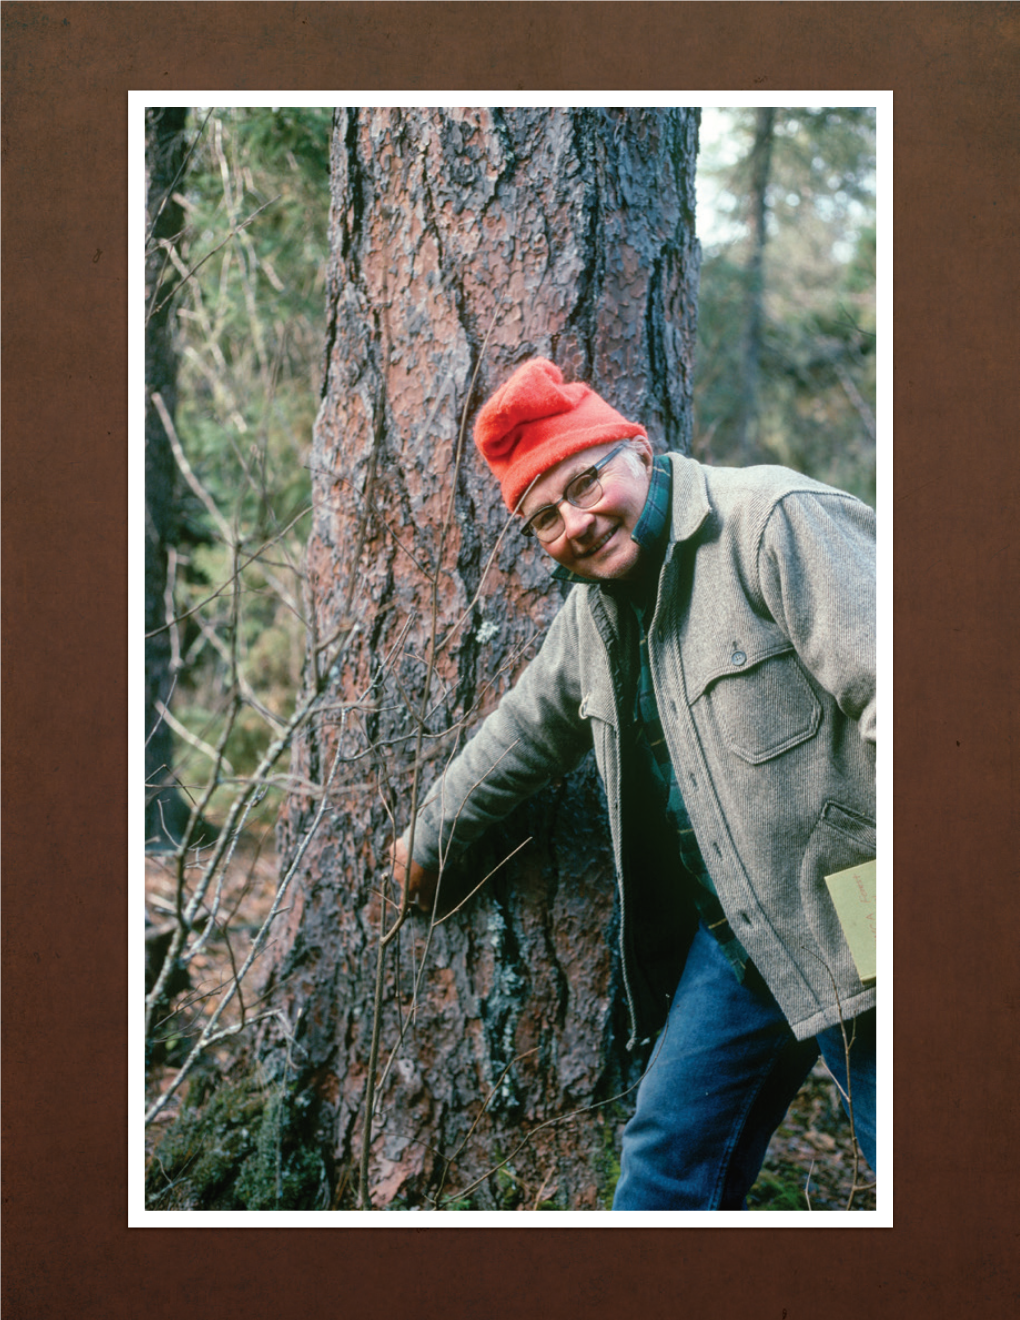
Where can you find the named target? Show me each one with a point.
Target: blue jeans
(721, 1078)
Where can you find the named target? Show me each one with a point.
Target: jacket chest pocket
(763, 709)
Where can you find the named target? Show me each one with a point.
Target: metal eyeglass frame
(590, 497)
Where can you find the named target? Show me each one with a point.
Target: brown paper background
(66, 70)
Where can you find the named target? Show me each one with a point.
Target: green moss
(276, 1177)
(241, 1150)
(606, 1161)
(777, 1190)
(506, 1189)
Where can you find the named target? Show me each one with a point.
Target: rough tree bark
(165, 812)
(568, 233)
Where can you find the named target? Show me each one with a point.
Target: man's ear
(643, 447)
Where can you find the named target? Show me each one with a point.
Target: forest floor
(809, 1164)
(247, 897)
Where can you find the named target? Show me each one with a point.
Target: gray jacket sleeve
(816, 566)
(535, 734)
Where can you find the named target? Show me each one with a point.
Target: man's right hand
(421, 885)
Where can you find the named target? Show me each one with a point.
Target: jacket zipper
(605, 631)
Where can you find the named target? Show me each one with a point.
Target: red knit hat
(535, 420)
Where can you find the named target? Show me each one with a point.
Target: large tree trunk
(567, 233)
(165, 812)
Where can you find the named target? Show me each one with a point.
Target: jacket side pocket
(840, 839)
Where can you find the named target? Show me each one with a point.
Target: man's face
(596, 542)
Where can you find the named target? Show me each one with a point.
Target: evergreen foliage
(249, 334)
(817, 352)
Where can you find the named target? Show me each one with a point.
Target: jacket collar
(691, 504)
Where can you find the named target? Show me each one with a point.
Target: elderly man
(718, 654)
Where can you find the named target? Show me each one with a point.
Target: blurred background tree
(785, 369)
(247, 255)
(166, 811)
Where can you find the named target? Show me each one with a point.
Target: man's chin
(619, 564)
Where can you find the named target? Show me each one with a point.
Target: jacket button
(738, 658)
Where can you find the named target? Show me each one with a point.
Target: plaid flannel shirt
(652, 534)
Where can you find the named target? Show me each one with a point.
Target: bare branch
(257, 944)
(249, 559)
(198, 265)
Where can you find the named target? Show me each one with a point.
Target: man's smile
(602, 540)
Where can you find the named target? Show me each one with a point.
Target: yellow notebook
(853, 896)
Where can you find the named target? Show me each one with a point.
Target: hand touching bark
(421, 885)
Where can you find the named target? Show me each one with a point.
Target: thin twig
(257, 945)
(225, 586)
(199, 264)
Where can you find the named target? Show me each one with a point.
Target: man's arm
(816, 567)
(535, 734)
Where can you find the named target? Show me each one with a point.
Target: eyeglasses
(582, 492)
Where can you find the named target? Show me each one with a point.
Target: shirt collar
(652, 528)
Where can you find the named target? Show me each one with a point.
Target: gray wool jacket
(762, 651)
